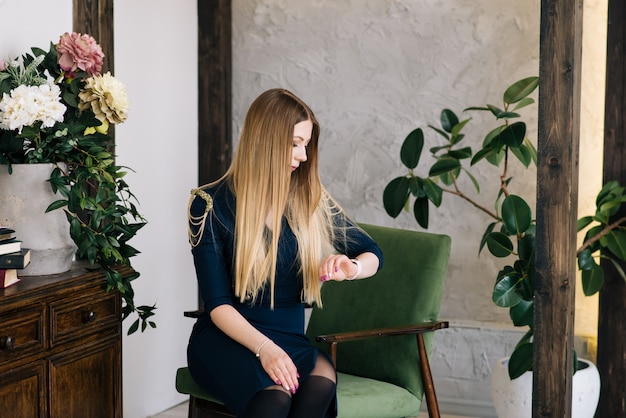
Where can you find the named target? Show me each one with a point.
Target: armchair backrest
(408, 290)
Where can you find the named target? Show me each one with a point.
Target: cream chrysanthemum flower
(26, 105)
(106, 97)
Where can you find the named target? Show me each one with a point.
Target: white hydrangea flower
(26, 105)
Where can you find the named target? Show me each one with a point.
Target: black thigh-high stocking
(312, 398)
(269, 403)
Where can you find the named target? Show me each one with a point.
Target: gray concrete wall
(373, 71)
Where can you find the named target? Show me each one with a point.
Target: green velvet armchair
(378, 331)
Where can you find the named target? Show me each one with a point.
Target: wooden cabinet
(61, 347)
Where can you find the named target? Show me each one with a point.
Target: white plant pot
(513, 398)
(24, 197)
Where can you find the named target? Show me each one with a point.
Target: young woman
(264, 238)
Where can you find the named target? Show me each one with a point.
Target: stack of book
(12, 257)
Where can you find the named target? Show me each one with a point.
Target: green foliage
(511, 234)
(102, 216)
(99, 206)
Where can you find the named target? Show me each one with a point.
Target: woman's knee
(324, 368)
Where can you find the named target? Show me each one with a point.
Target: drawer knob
(7, 343)
(89, 316)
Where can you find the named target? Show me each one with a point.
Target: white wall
(155, 57)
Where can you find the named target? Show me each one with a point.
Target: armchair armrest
(382, 332)
(417, 329)
(194, 314)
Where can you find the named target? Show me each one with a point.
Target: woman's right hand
(279, 366)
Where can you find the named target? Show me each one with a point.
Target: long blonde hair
(262, 181)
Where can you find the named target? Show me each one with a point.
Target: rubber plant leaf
(523, 154)
(524, 102)
(592, 280)
(505, 292)
(461, 154)
(522, 313)
(395, 195)
(521, 360)
(444, 165)
(486, 234)
(516, 214)
(586, 261)
(520, 90)
(513, 135)
(420, 211)
(616, 242)
(433, 191)
(499, 244)
(411, 150)
(448, 120)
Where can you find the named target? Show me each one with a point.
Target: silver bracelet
(359, 268)
(258, 350)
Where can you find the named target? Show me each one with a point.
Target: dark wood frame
(214, 89)
(611, 360)
(557, 205)
(418, 330)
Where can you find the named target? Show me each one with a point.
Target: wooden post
(95, 17)
(557, 201)
(612, 312)
(214, 89)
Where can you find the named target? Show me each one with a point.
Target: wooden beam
(557, 201)
(611, 360)
(214, 89)
(95, 17)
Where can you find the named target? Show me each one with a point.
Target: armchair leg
(201, 408)
(427, 379)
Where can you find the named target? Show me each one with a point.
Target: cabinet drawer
(74, 318)
(22, 333)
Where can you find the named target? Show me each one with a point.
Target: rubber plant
(510, 234)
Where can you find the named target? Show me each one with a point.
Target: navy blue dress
(220, 365)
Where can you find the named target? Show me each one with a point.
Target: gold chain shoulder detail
(198, 222)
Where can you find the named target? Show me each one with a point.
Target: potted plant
(56, 107)
(511, 232)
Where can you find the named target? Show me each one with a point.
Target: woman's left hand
(337, 267)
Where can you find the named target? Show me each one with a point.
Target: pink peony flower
(78, 51)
